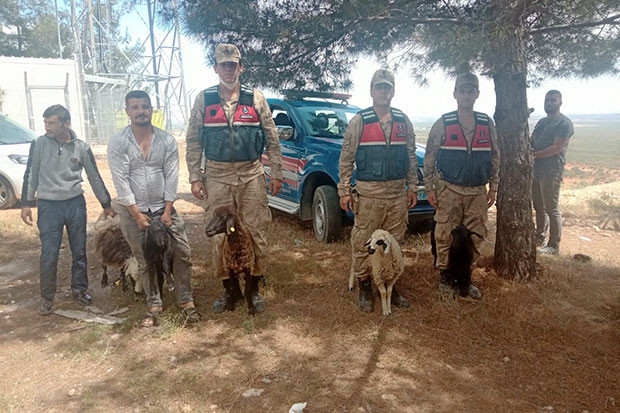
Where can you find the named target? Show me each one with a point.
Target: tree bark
(515, 250)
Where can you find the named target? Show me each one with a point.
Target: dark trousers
(52, 218)
(546, 197)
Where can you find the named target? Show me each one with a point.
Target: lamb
(237, 253)
(388, 264)
(460, 259)
(115, 252)
(158, 254)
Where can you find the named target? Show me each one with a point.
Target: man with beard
(549, 143)
(144, 162)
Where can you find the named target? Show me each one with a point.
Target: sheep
(387, 263)
(237, 252)
(460, 259)
(116, 253)
(158, 254)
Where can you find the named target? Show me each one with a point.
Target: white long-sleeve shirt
(147, 183)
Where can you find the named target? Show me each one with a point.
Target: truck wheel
(7, 195)
(326, 214)
(420, 226)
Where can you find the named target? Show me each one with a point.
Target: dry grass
(522, 348)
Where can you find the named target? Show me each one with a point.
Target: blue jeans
(546, 197)
(52, 217)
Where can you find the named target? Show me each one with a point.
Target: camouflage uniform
(242, 184)
(375, 204)
(457, 204)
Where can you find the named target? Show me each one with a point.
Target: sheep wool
(237, 252)
(387, 263)
(115, 251)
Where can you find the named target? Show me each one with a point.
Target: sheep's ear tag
(232, 229)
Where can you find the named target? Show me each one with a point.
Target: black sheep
(460, 259)
(158, 254)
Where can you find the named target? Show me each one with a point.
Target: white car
(14, 147)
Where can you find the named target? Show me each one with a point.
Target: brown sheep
(115, 252)
(237, 253)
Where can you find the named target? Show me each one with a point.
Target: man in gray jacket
(53, 182)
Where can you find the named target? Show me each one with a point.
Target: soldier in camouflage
(461, 158)
(381, 143)
(230, 125)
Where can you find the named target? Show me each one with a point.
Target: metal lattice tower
(157, 68)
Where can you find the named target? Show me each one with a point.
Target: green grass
(596, 142)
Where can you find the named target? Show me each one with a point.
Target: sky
(595, 96)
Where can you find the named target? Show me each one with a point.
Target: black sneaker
(398, 300)
(45, 307)
(474, 292)
(259, 303)
(83, 298)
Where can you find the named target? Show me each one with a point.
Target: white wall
(40, 73)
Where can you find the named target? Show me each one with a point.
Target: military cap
(225, 52)
(466, 79)
(382, 76)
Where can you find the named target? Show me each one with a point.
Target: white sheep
(387, 263)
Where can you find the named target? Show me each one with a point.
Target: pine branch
(612, 20)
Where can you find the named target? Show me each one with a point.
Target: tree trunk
(515, 252)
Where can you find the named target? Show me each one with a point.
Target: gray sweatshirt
(54, 171)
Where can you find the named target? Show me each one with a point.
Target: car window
(326, 122)
(12, 132)
(280, 117)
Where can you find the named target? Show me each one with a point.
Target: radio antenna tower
(157, 67)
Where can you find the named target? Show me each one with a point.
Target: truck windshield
(326, 122)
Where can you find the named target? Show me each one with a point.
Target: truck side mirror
(284, 132)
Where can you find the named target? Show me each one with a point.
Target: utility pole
(58, 30)
(77, 50)
(93, 55)
(154, 56)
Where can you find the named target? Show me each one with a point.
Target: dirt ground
(546, 346)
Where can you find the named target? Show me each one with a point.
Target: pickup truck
(311, 126)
